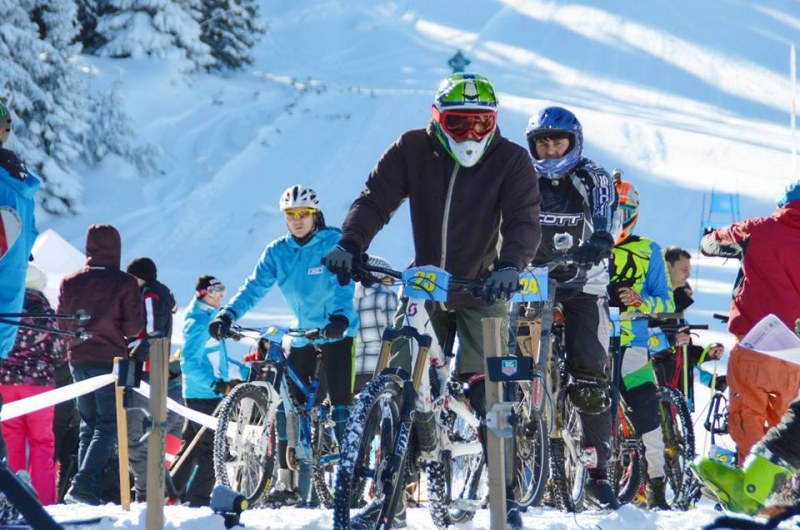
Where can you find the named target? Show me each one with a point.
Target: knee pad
(589, 397)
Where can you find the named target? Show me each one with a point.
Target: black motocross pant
(586, 340)
(338, 363)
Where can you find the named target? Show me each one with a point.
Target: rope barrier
(59, 395)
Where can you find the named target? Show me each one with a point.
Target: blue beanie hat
(791, 193)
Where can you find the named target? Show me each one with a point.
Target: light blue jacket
(16, 204)
(309, 289)
(198, 371)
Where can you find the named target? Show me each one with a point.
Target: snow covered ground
(627, 517)
(686, 97)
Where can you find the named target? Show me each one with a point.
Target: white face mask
(469, 152)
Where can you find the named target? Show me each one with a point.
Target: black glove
(501, 283)
(340, 260)
(220, 327)
(592, 252)
(336, 328)
(219, 386)
(365, 278)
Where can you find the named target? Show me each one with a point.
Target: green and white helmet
(465, 116)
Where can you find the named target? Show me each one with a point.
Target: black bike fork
(395, 472)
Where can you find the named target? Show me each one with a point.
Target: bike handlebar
(238, 332)
(665, 321)
(361, 269)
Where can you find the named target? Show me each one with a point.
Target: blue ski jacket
(199, 374)
(309, 289)
(17, 189)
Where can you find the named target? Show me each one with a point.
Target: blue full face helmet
(554, 122)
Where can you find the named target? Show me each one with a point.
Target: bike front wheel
(366, 456)
(679, 449)
(243, 442)
(567, 470)
(325, 452)
(628, 458)
(531, 453)
(458, 485)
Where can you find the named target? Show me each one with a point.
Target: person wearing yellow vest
(639, 284)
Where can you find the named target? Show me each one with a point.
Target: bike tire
(627, 464)
(457, 486)
(243, 442)
(679, 446)
(374, 423)
(475, 487)
(531, 457)
(323, 447)
(567, 471)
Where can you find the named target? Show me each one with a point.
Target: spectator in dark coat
(159, 306)
(111, 298)
(27, 372)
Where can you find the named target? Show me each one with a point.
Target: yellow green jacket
(639, 263)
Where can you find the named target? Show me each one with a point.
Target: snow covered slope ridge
(685, 97)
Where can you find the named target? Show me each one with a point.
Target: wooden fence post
(495, 446)
(156, 469)
(122, 439)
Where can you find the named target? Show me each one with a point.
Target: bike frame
(298, 417)
(425, 352)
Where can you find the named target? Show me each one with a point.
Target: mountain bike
(627, 461)
(245, 442)
(677, 428)
(383, 445)
(674, 418)
(531, 441)
(549, 425)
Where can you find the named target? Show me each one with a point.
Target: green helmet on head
(465, 116)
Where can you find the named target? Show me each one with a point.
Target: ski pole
(80, 315)
(173, 470)
(80, 334)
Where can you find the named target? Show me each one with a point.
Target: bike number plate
(657, 341)
(533, 286)
(427, 282)
(274, 334)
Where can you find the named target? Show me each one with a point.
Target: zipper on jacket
(446, 215)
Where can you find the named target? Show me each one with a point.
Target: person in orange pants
(761, 388)
(769, 283)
